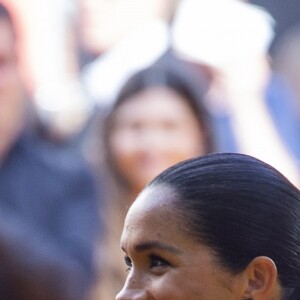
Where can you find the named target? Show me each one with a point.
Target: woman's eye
(128, 262)
(156, 261)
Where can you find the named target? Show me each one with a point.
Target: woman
(158, 120)
(222, 226)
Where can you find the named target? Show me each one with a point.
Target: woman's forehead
(156, 196)
(153, 217)
(152, 205)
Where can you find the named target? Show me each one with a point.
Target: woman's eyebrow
(157, 245)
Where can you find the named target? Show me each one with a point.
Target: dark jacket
(48, 223)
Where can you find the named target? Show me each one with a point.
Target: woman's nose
(132, 294)
(133, 289)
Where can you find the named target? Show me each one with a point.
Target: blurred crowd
(97, 97)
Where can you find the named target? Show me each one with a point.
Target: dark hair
(241, 208)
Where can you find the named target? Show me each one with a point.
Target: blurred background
(63, 44)
(102, 74)
(76, 54)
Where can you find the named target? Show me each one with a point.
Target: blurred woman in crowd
(158, 119)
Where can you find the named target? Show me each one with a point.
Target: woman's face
(151, 131)
(164, 262)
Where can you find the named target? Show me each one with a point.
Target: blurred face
(10, 87)
(153, 130)
(166, 263)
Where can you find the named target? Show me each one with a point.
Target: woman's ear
(262, 280)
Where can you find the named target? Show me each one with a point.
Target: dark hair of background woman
(241, 208)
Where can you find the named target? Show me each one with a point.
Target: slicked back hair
(241, 208)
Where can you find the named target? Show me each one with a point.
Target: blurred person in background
(48, 63)
(230, 41)
(49, 207)
(158, 119)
